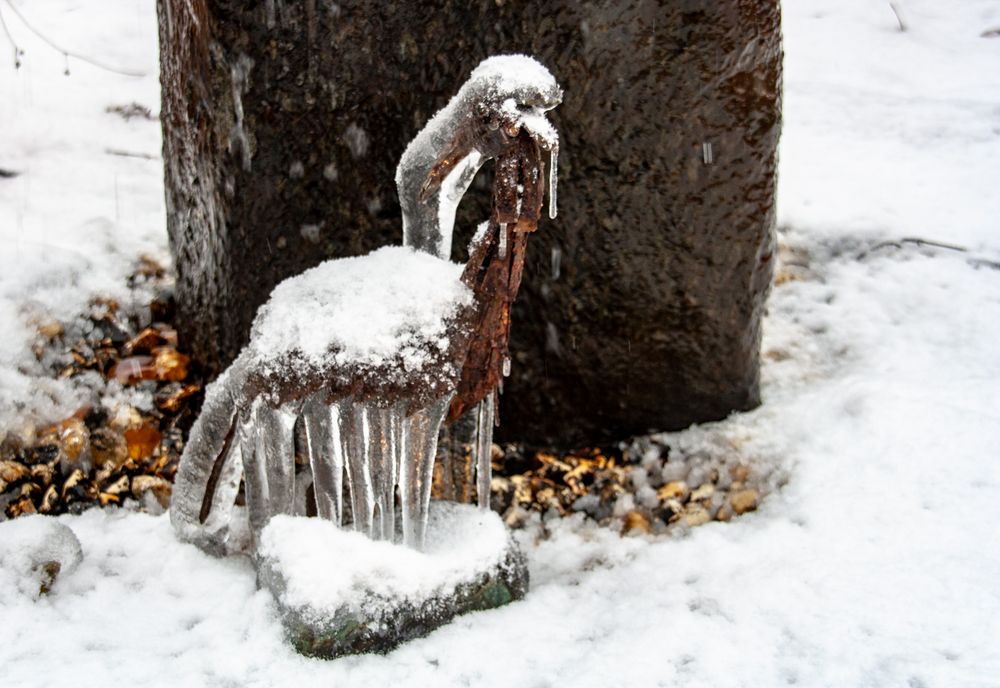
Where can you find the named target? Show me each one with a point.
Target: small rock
(11, 471)
(703, 492)
(159, 488)
(676, 489)
(108, 447)
(744, 501)
(636, 521)
(740, 472)
(724, 513)
(673, 471)
(75, 439)
(696, 515)
(50, 329)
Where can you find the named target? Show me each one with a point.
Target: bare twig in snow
(130, 154)
(17, 50)
(66, 53)
(895, 10)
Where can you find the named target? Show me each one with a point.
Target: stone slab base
(341, 593)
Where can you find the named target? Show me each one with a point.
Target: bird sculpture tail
(202, 506)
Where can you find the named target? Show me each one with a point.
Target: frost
(356, 139)
(238, 142)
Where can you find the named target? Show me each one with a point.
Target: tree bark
(641, 303)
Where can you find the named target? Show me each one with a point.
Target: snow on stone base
(340, 592)
(34, 550)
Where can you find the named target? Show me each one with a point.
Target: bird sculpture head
(503, 97)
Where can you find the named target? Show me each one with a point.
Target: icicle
(383, 471)
(503, 240)
(553, 179)
(506, 366)
(326, 457)
(268, 446)
(417, 469)
(556, 263)
(484, 450)
(353, 435)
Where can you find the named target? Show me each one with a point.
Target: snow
(29, 546)
(326, 568)
(875, 565)
(364, 310)
(77, 217)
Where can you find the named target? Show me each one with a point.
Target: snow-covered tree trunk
(283, 123)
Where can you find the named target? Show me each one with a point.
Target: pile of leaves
(107, 452)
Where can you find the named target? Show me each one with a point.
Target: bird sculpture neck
(429, 218)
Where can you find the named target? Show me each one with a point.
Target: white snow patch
(327, 568)
(27, 546)
(363, 310)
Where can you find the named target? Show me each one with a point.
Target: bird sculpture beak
(492, 134)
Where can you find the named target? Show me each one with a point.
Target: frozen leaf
(170, 364)
(145, 341)
(171, 397)
(142, 441)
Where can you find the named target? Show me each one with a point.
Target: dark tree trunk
(641, 304)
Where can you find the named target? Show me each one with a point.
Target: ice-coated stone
(339, 592)
(34, 551)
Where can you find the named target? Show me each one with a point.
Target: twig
(129, 154)
(910, 240)
(17, 50)
(66, 53)
(892, 6)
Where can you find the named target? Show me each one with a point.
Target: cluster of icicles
(368, 449)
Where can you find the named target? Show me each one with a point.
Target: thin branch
(130, 154)
(67, 53)
(892, 6)
(17, 49)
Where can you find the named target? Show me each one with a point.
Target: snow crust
(363, 310)
(326, 567)
(27, 546)
(876, 565)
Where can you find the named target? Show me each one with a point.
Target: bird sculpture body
(355, 364)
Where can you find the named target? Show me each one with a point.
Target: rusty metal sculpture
(373, 427)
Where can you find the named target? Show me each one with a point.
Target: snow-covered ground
(878, 564)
